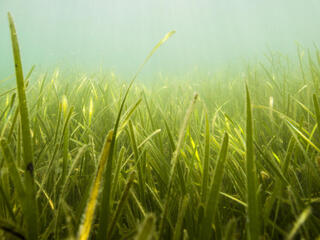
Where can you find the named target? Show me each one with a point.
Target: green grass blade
(182, 211)
(14, 173)
(152, 121)
(105, 203)
(6, 202)
(278, 183)
(317, 110)
(206, 162)
(85, 227)
(174, 162)
(63, 190)
(294, 129)
(213, 197)
(300, 56)
(172, 144)
(127, 115)
(162, 41)
(300, 221)
(65, 145)
(31, 214)
(120, 206)
(117, 171)
(253, 221)
(29, 73)
(138, 162)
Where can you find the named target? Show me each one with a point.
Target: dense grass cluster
(96, 157)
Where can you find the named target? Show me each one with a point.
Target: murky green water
(89, 35)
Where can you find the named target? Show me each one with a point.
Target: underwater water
(159, 119)
(117, 35)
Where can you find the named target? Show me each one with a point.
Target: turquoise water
(117, 35)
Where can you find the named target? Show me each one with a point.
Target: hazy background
(89, 35)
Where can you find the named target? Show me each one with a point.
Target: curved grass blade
(105, 203)
(213, 198)
(300, 221)
(63, 189)
(174, 162)
(31, 214)
(120, 206)
(162, 41)
(127, 115)
(234, 199)
(294, 129)
(29, 74)
(278, 183)
(85, 227)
